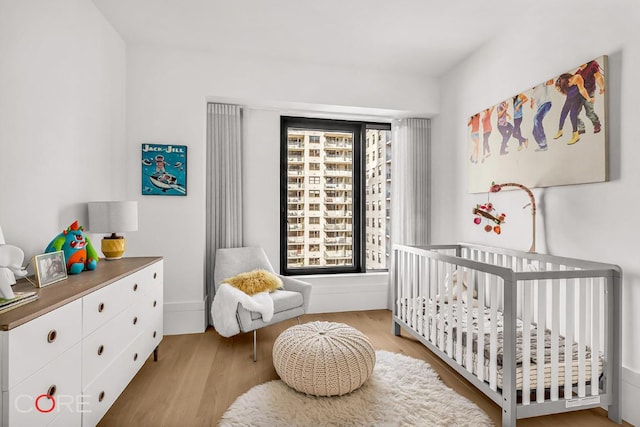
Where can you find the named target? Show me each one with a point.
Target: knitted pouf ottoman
(323, 358)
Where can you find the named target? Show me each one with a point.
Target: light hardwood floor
(198, 376)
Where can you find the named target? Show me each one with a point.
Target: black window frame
(359, 216)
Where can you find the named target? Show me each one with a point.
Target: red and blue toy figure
(78, 250)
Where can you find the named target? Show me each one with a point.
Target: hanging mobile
(486, 211)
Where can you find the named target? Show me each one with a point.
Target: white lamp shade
(113, 217)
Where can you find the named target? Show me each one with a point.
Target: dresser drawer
(27, 403)
(152, 335)
(34, 344)
(105, 389)
(104, 304)
(104, 345)
(153, 279)
(68, 419)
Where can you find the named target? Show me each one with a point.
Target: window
(337, 197)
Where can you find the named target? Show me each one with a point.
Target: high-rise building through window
(328, 168)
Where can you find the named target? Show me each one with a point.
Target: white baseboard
(184, 317)
(630, 396)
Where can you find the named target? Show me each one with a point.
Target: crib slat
(398, 275)
(458, 316)
(526, 341)
(422, 288)
(582, 333)
(439, 313)
(555, 327)
(470, 275)
(542, 326)
(493, 347)
(418, 283)
(410, 294)
(433, 288)
(420, 272)
(402, 297)
(568, 341)
(413, 272)
(482, 277)
(406, 285)
(595, 335)
(448, 311)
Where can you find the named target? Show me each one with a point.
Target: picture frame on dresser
(50, 268)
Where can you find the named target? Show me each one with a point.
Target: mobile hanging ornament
(486, 211)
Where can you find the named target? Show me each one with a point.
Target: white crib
(519, 309)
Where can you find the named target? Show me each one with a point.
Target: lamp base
(113, 247)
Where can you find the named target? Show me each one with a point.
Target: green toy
(78, 250)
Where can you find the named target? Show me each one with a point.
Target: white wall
(593, 221)
(167, 93)
(62, 100)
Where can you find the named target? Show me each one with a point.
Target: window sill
(340, 275)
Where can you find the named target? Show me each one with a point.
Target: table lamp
(113, 217)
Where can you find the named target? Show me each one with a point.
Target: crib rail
(536, 333)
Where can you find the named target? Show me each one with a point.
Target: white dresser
(66, 357)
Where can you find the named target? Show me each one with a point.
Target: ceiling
(425, 37)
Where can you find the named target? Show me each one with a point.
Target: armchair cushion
(282, 301)
(255, 281)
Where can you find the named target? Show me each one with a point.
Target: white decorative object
(323, 358)
(11, 258)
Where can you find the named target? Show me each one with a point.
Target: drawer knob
(52, 335)
(100, 307)
(135, 320)
(155, 275)
(154, 334)
(51, 391)
(101, 396)
(135, 357)
(135, 287)
(100, 350)
(155, 303)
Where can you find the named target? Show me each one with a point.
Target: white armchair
(290, 302)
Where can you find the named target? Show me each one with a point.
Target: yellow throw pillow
(255, 281)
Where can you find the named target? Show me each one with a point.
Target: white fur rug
(402, 391)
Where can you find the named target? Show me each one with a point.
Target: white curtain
(410, 194)
(224, 184)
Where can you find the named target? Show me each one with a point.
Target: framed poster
(554, 133)
(164, 170)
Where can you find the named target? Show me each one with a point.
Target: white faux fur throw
(225, 304)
